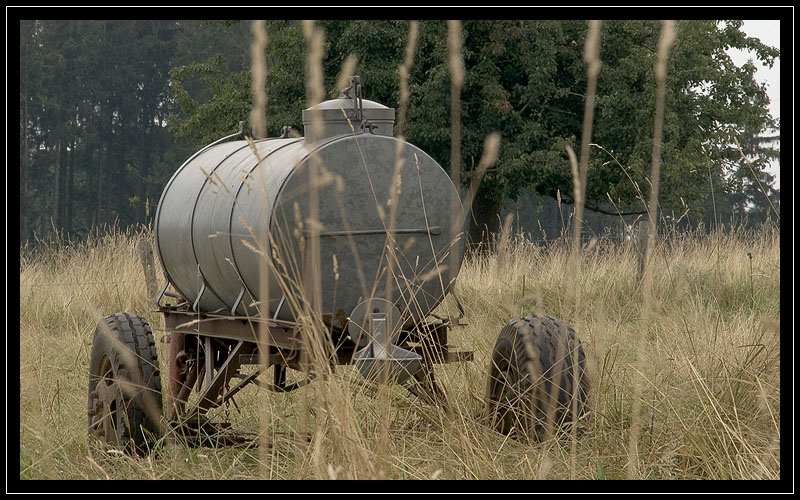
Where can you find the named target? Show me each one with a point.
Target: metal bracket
(380, 342)
(161, 294)
(168, 294)
(381, 360)
(368, 125)
(278, 309)
(236, 302)
(239, 132)
(354, 91)
(460, 320)
(197, 300)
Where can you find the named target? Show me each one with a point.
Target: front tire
(537, 377)
(125, 404)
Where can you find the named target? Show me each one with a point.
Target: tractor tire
(534, 382)
(125, 403)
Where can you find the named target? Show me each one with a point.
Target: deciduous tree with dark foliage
(526, 80)
(103, 102)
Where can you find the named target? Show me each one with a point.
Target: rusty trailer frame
(208, 350)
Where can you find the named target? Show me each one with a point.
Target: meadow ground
(689, 379)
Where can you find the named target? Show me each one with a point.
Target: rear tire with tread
(125, 402)
(532, 385)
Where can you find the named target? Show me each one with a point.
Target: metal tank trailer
(267, 268)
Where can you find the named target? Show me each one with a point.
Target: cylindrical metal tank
(234, 222)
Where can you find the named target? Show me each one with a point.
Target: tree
(519, 82)
(527, 79)
(710, 102)
(213, 93)
(93, 104)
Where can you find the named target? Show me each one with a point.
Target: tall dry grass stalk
(579, 179)
(258, 119)
(396, 188)
(456, 65)
(315, 93)
(258, 55)
(665, 41)
(405, 70)
(579, 172)
(310, 297)
(491, 150)
(348, 68)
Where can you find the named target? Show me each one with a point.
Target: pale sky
(769, 32)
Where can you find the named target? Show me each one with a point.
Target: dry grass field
(690, 382)
(685, 368)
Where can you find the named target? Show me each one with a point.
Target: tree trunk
(141, 189)
(23, 196)
(68, 197)
(25, 164)
(99, 184)
(485, 217)
(119, 201)
(57, 201)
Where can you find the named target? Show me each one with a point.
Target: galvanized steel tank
(232, 206)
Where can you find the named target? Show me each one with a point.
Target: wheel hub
(105, 404)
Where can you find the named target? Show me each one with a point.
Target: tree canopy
(109, 109)
(93, 106)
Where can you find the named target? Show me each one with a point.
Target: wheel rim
(501, 395)
(105, 403)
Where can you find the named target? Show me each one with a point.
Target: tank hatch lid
(350, 108)
(331, 111)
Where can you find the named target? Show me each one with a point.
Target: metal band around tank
(206, 284)
(233, 208)
(169, 183)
